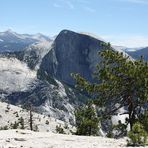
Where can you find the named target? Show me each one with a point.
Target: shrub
(144, 120)
(47, 122)
(59, 129)
(8, 106)
(15, 125)
(4, 128)
(17, 115)
(66, 126)
(87, 121)
(137, 136)
(6, 111)
(36, 129)
(21, 121)
(109, 134)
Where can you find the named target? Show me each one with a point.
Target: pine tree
(30, 117)
(21, 121)
(138, 136)
(86, 120)
(144, 120)
(122, 82)
(59, 129)
(15, 125)
(29, 108)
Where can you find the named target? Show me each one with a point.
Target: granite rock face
(55, 101)
(71, 53)
(40, 73)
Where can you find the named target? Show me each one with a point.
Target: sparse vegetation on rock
(59, 129)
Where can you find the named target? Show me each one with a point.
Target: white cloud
(57, 5)
(89, 9)
(69, 4)
(64, 3)
(136, 1)
(72, 4)
(127, 40)
(83, 1)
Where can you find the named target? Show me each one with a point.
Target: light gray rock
(71, 53)
(51, 90)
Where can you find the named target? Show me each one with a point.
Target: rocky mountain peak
(9, 31)
(71, 53)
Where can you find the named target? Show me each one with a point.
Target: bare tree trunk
(30, 118)
(89, 133)
(131, 112)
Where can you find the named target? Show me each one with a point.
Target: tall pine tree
(122, 82)
(87, 121)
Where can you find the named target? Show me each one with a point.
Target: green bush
(4, 128)
(109, 133)
(87, 122)
(21, 121)
(59, 129)
(137, 136)
(14, 125)
(144, 120)
(47, 122)
(36, 129)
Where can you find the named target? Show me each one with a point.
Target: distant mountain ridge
(11, 41)
(137, 54)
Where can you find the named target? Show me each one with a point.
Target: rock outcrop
(71, 53)
(50, 88)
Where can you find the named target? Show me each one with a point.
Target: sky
(121, 22)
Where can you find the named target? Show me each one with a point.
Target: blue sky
(122, 22)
